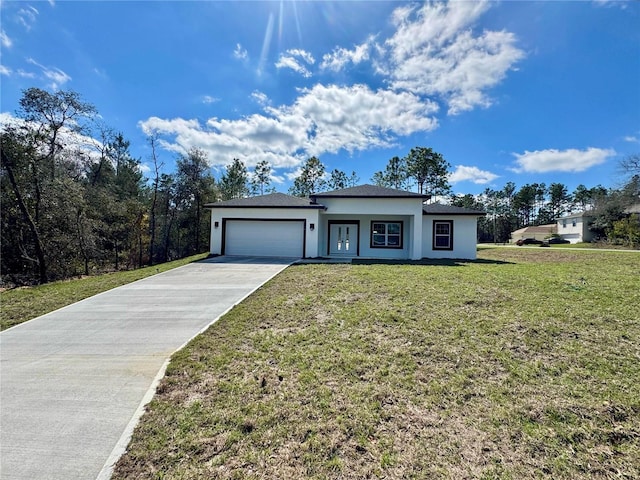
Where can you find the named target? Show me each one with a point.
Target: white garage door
(271, 238)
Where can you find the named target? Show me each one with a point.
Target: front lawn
(525, 364)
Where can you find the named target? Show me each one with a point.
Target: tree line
(76, 202)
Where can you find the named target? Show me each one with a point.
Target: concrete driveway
(74, 382)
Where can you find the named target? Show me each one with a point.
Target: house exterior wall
(465, 237)
(310, 215)
(364, 234)
(575, 229)
(371, 209)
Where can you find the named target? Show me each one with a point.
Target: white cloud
(473, 174)
(58, 77)
(293, 59)
(322, 119)
(612, 3)
(27, 16)
(25, 74)
(304, 55)
(632, 139)
(552, 160)
(208, 99)
(4, 70)
(340, 57)
(5, 41)
(435, 52)
(260, 98)
(240, 53)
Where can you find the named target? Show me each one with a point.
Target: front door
(343, 239)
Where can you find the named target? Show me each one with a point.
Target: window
(564, 223)
(443, 235)
(386, 234)
(574, 222)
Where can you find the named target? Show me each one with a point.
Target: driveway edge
(121, 446)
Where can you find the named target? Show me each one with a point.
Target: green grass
(22, 304)
(525, 364)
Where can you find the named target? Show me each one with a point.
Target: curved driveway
(74, 381)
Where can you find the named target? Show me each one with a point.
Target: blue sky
(509, 91)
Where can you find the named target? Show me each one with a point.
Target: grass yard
(21, 304)
(525, 364)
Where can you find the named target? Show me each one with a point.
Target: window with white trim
(443, 234)
(386, 234)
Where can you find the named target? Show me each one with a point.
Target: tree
(430, 171)
(559, 199)
(582, 198)
(194, 185)
(630, 165)
(353, 179)
(51, 114)
(233, 183)
(337, 180)
(394, 175)
(466, 201)
(157, 166)
(261, 177)
(17, 156)
(524, 204)
(310, 180)
(38, 175)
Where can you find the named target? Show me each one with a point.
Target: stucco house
(538, 232)
(575, 227)
(364, 221)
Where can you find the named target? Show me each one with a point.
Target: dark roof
(439, 209)
(271, 200)
(368, 191)
(588, 213)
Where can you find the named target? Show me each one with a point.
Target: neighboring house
(633, 211)
(539, 232)
(575, 227)
(364, 221)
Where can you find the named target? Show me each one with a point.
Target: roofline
(296, 207)
(410, 195)
(589, 214)
(449, 214)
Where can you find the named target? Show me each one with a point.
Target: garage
(268, 238)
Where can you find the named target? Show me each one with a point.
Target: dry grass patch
(522, 365)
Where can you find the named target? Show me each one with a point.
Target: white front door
(343, 239)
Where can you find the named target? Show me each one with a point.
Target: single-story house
(364, 221)
(575, 227)
(538, 232)
(633, 211)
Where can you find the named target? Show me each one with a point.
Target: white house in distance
(575, 227)
(364, 221)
